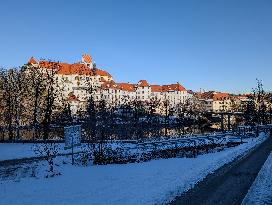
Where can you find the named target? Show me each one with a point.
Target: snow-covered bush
(48, 151)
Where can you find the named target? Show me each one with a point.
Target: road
(229, 184)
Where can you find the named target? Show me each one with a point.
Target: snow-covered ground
(260, 193)
(15, 151)
(10, 151)
(154, 182)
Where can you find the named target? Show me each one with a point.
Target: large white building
(82, 80)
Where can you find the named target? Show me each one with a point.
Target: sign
(72, 136)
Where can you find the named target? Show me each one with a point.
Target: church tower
(87, 60)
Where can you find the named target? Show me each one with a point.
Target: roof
(173, 87)
(126, 87)
(166, 88)
(32, 60)
(156, 88)
(75, 68)
(205, 95)
(213, 95)
(221, 96)
(109, 85)
(98, 71)
(143, 83)
(118, 86)
(49, 64)
(70, 69)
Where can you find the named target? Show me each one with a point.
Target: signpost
(72, 136)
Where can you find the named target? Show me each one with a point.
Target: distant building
(82, 80)
(215, 101)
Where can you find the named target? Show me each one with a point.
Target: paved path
(229, 184)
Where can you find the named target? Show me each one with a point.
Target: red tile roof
(205, 95)
(143, 83)
(109, 85)
(126, 87)
(32, 60)
(76, 68)
(156, 88)
(214, 96)
(118, 86)
(221, 96)
(50, 65)
(173, 87)
(102, 72)
(166, 88)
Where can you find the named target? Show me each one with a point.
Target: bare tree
(49, 152)
(50, 96)
(259, 96)
(8, 81)
(91, 120)
(36, 89)
(20, 96)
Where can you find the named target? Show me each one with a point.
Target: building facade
(79, 81)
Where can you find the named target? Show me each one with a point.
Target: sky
(221, 45)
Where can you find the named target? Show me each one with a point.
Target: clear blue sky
(210, 44)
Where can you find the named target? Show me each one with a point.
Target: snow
(15, 151)
(154, 182)
(10, 151)
(261, 190)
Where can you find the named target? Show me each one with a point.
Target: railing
(187, 146)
